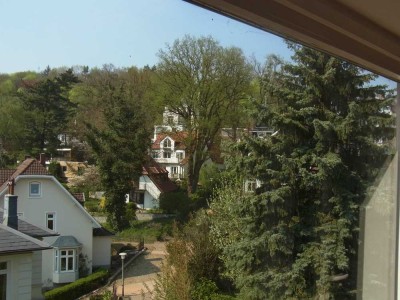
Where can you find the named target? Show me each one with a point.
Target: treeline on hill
(297, 229)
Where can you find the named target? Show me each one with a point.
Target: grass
(150, 231)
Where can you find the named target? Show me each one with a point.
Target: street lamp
(122, 254)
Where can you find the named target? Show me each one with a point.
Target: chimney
(10, 217)
(42, 159)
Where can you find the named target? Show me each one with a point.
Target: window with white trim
(51, 220)
(167, 143)
(67, 260)
(166, 154)
(35, 189)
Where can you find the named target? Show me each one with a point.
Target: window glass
(34, 189)
(67, 259)
(50, 220)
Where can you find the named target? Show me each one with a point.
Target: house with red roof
(44, 202)
(152, 184)
(169, 150)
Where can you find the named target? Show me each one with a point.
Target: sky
(35, 34)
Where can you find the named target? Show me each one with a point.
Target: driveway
(141, 274)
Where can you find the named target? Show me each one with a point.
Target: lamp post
(122, 254)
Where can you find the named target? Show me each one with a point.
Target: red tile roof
(79, 196)
(159, 175)
(177, 137)
(29, 166)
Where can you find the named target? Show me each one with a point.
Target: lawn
(150, 231)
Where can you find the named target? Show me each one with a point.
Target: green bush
(204, 289)
(222, 297)
(79, 287)
(174, 202)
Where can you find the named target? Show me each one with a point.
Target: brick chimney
(10, 217)
(42, 159)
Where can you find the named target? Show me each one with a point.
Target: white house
(169, 150)
(20, 254)
(153, 182)
(82, 242)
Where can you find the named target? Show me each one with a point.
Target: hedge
(79, 287)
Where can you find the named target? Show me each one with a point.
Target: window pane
(63, 263)
(70, 263)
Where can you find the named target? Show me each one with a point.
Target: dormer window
(35, 189)
(167, 143)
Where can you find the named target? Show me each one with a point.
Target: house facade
(82, 243)
(153, 182)
(168, 149)
(20, 254)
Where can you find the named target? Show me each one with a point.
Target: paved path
(141, 274)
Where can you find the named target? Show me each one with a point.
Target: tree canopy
(202, 82)
(294, 236)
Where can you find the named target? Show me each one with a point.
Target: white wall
(101, 251)
(19, 276)
(69, 219)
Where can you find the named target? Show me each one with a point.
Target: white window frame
(167, 143)
(39, 193)
(67, 256)
(167, 154)
(53, 218)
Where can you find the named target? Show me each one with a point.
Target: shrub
(203, 289)
(174, 202)
(79, 287)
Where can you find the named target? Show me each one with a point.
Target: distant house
(44, 202)
(169, 150)
(153, 182)
(20, 254)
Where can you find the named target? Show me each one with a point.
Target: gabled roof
(159, 175)
(102, 232)
(151, 167)
(163, 183)
(178, 137)
(29, 166)
(30, 229)
(13, 241)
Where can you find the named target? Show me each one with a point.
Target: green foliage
(107, 295)
(131, 211)
(150, 231)
(202, 82)
(79, 287)
(204, 289)
(48, 110)
(56, 170)
(120, 146)
(289, 238)
(192, 266)
(175, 202)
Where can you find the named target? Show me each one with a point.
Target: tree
(201, 82)
(298, 232)
(192, 262)
(49, 110)
(120, 146)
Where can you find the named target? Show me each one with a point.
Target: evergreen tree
(298, 232)
(48, 110)
(120, 146)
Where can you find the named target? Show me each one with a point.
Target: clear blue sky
(37, 33)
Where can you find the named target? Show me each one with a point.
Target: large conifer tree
(296, 236)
